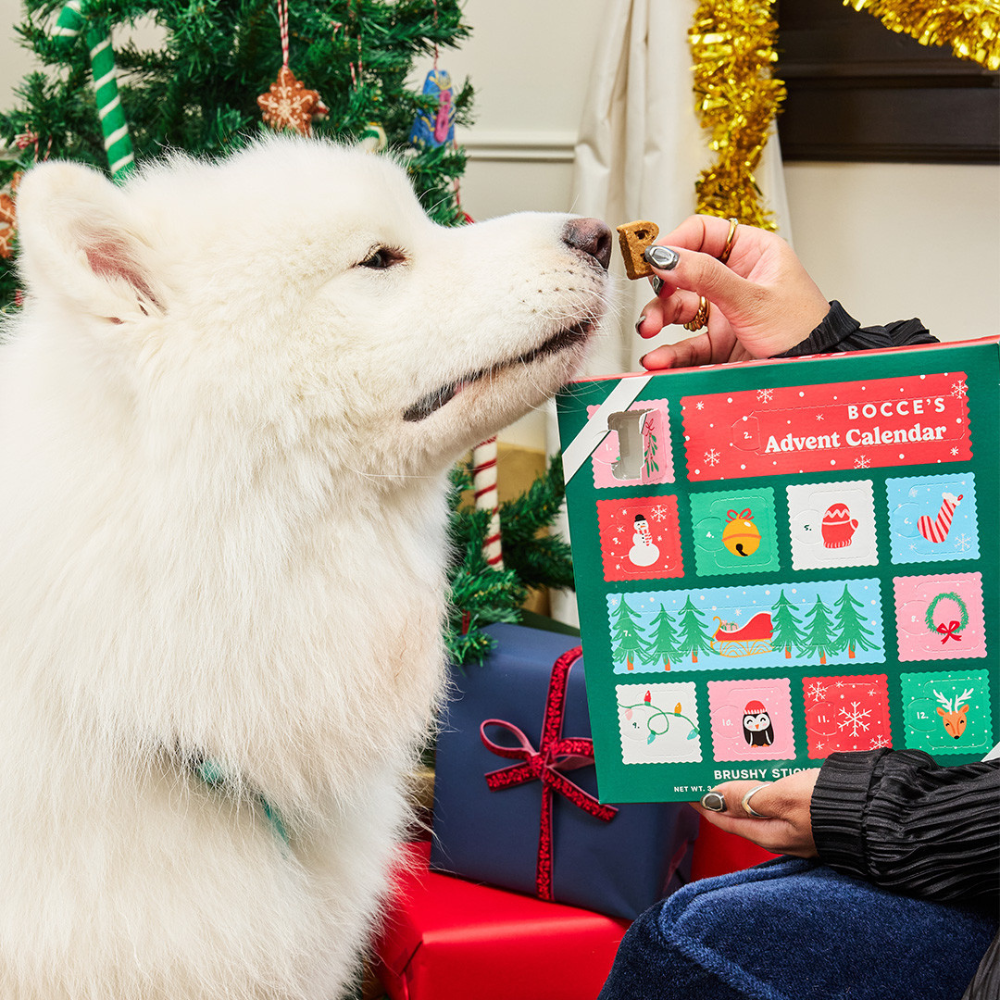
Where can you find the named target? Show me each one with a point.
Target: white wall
(890, 241)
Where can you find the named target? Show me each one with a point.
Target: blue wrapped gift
(535, 824)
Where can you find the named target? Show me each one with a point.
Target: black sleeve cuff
(837, 809)
(839, 332)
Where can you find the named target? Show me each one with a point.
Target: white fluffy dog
(226, 415)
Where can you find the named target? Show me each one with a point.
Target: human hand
(785, 826)
(763, 301)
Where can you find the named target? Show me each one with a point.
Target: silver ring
(749, 809)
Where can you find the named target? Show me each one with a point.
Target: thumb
(704, 275)
(729, 798)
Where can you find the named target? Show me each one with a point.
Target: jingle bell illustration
(838, 526)
(741, 535)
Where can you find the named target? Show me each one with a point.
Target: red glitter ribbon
(950, 631)
(556, 753)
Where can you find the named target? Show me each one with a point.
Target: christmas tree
(853, 634)
(481, 594)
(198, 92)
(694, 640)
(821, 639)
(626, 635)
(787, 633)
(663, 641)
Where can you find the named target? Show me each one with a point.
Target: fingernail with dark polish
(714, 802)
(662, 257)
(638, 323)
(657, 284)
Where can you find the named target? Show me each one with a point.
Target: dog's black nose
(591, 236)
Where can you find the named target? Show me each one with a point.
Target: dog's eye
(382, 258)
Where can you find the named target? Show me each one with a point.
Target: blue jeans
(796, 930)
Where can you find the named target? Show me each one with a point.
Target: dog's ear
(80, 243)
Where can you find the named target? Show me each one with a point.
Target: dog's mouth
(433, 401)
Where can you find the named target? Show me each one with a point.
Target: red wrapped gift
(445, 938)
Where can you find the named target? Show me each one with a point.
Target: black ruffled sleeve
(840, 332)
(898, 819)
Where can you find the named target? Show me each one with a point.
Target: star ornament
(288, 105)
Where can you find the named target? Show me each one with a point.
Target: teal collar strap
(213, 776)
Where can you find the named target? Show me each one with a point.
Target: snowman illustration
(644, 551)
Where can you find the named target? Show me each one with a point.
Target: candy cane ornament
(71, 22)
(484, 485)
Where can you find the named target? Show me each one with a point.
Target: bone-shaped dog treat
(633, 238)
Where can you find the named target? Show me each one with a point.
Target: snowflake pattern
(764, 395)
(959, 389)
(712, 457)
(861, 462)
(854, 717)
(659, 513)
(963, 543)
(817, 691)
(878, 742)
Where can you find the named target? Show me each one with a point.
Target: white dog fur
(222, 540)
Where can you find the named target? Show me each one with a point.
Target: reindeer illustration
(953, 713)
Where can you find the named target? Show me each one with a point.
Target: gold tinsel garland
(971, 28)
(732, 44)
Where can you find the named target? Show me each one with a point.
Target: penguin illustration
(757, 728)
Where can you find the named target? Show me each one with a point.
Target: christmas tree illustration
(663, 641)
(694, 639)
(820, 639)
(853, 634)
(787, 627)
(626, 636)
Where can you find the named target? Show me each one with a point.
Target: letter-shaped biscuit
(633, 238)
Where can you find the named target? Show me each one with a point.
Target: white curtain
(639, 152)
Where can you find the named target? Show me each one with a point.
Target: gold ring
(730, 240)
(749, 809)
(701, 316)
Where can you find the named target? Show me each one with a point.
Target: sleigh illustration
(749, 640)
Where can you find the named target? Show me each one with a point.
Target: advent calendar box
(782, 559)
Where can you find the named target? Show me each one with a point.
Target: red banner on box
(912, 420)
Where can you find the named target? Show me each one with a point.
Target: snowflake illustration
(700, 405)
(959, 389)
(819, 416)
(861, 462)
(954, 451)
(817, 691)
(712, 457)
(878, 742)
(963, 543)
(659, 513)
(855, 717)
(764, 395)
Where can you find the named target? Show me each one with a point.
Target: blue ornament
(440, 129)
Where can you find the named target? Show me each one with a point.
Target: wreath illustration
(953, 629)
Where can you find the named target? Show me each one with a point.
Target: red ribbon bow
(556, 753)
(743, 515)
(950, 631)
